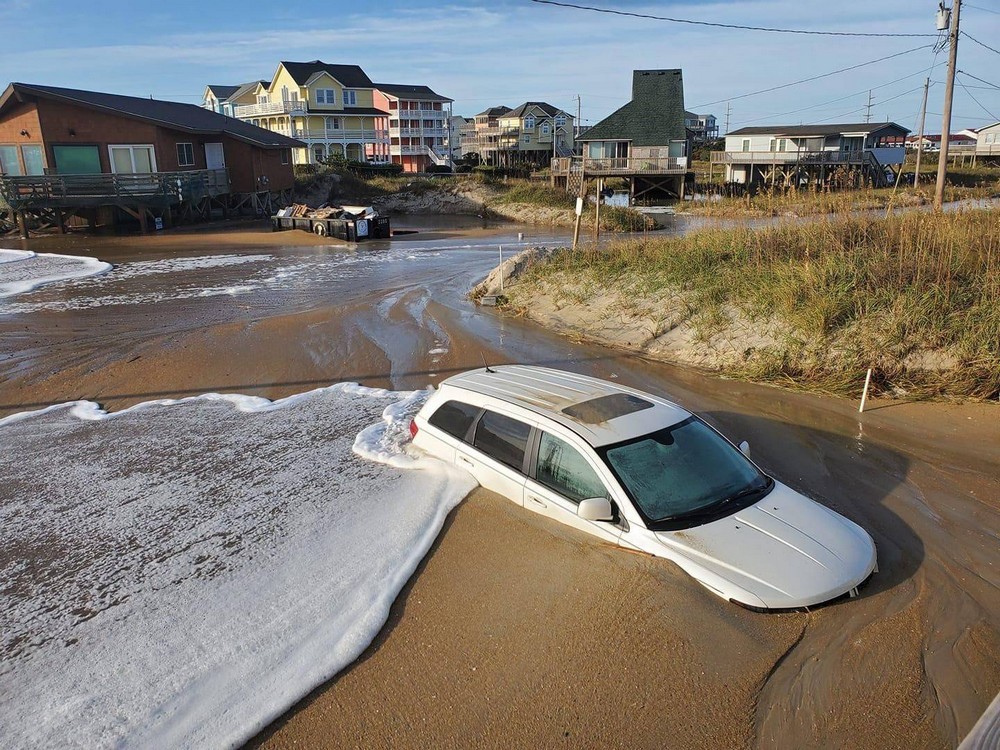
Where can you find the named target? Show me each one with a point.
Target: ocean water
(181, 572)
(22, 270)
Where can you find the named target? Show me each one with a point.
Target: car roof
(550, 392)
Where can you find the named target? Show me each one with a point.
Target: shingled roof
(544, 106)
(654, 117)
(401, 90)
(187, 117)
(494, 112)
(351, 76)
(222, 92)
(819, 129)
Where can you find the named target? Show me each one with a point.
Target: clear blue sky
(509, 51)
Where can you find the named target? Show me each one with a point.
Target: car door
(560, 476)
(497, 455)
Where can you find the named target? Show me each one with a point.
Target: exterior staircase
(439, 159)
(880, 174)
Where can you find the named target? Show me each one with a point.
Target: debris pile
(302, 211)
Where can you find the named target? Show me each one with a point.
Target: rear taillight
(413, 428)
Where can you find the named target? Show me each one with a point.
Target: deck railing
(153, 188)
(340, 134)
(885, 155)
(270, 108)
(624, 165)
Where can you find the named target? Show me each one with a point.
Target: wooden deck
(88, 190)
(623, 167)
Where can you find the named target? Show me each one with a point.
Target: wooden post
(143, 224)
(597, 210)
(60, 225)
(22, 225)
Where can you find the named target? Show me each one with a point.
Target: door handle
(466, 461)
(537, 501)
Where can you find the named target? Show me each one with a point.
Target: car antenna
(485, 363)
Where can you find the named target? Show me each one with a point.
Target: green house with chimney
(644, 141)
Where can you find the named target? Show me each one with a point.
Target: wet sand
(519, 633)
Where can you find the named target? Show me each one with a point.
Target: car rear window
(455, 418)
(502, 438)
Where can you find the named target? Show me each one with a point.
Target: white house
(792, 155)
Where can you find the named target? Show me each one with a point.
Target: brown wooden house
(66, 152)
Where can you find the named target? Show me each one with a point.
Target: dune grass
(916, 296)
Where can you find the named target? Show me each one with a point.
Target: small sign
(362, 227)
(158, 223)
(579, 206)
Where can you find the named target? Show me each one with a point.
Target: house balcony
(245, 111)
(338, 135)
(419, 132)
(563, 166)
(886, 156)
(78, 190)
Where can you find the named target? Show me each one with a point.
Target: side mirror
(745, 448)
(595, 509)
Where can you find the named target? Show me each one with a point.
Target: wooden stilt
(22, 225)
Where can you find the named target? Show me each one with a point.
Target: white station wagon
(640, 472)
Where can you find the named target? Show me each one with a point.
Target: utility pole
(729, 108)
(577, 134)
(949, 91)
(868, 107)
(920, 137)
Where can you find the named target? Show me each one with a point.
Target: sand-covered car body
(638, 471)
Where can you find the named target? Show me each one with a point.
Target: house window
(560, 121)
(284, 156)
(529, 122)
(393, 123)
(77, 159)
(129, 159)
(262, 98)
(527, 139)
(333, 123)
(350, 98)
(746, 144)
(185, 154)
(777, 144)
(326, 96)
(9, 163)
(34, 162)
(545, 128)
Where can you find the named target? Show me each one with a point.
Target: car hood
(785, 550)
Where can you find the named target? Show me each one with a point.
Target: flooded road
(911, 663)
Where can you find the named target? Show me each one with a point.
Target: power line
(841, 98)
(997, 12)
(969, 75)
(981, 106)
(807, 80)
(649, 17)
(973, 39)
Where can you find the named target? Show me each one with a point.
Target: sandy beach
(515, 632)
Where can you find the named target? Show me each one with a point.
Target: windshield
(684, 472)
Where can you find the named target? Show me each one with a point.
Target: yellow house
(329, 107)
(534, 132)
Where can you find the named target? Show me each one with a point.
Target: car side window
(502, 438)
(561, 467)
(455, 418)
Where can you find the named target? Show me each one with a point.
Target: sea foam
(22, 270)
(181, 572)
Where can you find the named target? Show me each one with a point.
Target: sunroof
(603, 408)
